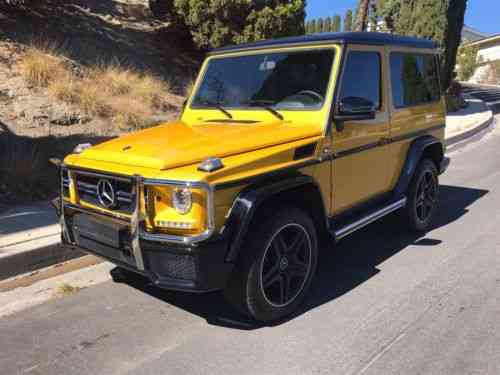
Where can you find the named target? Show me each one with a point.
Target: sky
(482, 15)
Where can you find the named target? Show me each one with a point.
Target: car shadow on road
(341, 268)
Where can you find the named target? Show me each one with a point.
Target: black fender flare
(248, 201)
(415, 152)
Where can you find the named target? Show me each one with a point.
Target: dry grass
(127, 97)
(130, 112)
(188, 89)
(64, 89)
(40, 67)
(67, 289)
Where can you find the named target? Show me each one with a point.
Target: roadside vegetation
(126, 97)
(75, 72)
(120, 98)
(467, 62)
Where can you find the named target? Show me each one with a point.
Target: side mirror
(353, 108)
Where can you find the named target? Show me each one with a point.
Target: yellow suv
(284, 145)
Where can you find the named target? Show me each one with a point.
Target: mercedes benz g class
(284, 147)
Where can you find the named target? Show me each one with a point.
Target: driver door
(360, 168)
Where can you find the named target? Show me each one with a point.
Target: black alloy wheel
(286, 265)
(426, 196)
(276, 267)
(422, 197)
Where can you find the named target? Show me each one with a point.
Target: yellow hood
(177, 144)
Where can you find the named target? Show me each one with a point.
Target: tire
(423, 197)
(276, 267)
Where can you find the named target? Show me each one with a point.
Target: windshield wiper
(261, 104)
(273, 111)
(220, 108)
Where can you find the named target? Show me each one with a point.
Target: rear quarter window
(414, 79)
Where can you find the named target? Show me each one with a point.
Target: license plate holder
(103, 231)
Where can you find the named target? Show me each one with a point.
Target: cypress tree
(308, 27)
(389, 11)
(439, 20)
(313, 26)
(336, 23)
(405, 20)
(327, 25)
(348, 20)
(319, 25)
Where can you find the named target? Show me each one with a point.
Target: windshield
(287, 80)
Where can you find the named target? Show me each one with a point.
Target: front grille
(65, 183)
(86, 186)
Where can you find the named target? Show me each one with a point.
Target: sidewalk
(30, 235)
(30, 239)
(466, 122)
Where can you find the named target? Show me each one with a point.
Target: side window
(414, 79)
(361, 77)
(431, 70)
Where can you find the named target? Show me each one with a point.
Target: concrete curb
(459, 140)
(34, 258)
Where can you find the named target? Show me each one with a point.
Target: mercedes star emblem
(106, 193)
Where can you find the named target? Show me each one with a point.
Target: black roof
(349, 37)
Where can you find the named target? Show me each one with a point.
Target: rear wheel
(276, 268)
(423, 195)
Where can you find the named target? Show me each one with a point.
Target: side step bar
(368, 219)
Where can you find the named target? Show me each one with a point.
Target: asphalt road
(383, 302)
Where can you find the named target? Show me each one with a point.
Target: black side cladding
(304, 151)
(417, 149)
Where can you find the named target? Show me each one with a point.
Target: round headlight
(181, 200)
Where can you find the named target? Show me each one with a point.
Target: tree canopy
(439, 20)
(213, 23)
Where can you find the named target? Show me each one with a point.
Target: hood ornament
(210, 165)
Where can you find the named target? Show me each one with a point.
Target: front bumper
(197, 267)
(194, 264)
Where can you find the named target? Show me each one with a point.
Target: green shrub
(214, 23)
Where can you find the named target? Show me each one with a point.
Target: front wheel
(277, 267)
(423, 195)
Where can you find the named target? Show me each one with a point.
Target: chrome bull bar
(137, 219)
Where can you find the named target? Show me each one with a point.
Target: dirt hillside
(87, 36)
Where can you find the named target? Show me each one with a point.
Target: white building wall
(490, 53)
